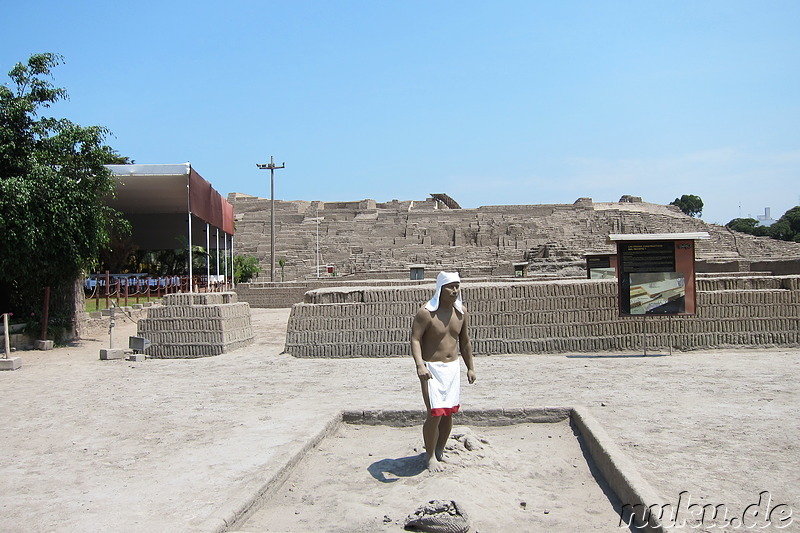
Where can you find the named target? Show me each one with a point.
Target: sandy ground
(178, 445)
(513, 478)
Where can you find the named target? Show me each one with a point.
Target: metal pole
(670, 334)
(189, 210)
(208, 257)
(190, 252)
(271, 166)
(271, 220)
(644, 334)
(227, 283)
(111, 324)
(216, 254)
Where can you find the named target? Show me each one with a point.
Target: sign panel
(657, 293)
(656, 277)
(601, 266)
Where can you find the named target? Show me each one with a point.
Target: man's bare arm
(421, 322)
(465, 346)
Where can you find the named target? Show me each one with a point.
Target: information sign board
(656, 274)
(601, 266)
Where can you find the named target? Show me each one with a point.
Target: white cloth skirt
(444, 388)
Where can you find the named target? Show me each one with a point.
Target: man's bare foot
(433, 464)
(440, 455)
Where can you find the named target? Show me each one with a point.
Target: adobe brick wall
(196, 325)
(272, 296)
(554, 316)
(275, 295)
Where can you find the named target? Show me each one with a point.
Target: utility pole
(271, 166)
(317, 254)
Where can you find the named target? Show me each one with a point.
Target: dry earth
(518, 478)
(181, 445)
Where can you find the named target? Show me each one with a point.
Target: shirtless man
(438, 333)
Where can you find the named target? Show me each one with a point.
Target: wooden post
(5, 334)
(108, 288)
(46, 313)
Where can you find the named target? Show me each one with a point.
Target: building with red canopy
(170, 206)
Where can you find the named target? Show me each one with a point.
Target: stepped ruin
(370, 239)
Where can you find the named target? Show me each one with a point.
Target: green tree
(114, 158)
(245, 268)
(690, 204)
(281, 263)
(787, 228)
(52, 190)
(749, 226)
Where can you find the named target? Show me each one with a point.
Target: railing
(124, 289)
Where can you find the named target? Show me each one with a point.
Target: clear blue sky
(508, 102)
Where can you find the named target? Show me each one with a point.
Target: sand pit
(520, 477)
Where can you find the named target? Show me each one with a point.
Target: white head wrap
(443, 279)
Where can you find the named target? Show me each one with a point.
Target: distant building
(765, 219)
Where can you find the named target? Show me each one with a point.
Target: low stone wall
(272, 295)
(554, 316)
(196, 325)
(279, 295)
(20, 341)
(778, 267)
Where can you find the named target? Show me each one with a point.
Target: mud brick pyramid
(197, 325)
(367, 237)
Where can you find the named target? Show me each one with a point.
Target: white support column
(227, 280)
(189, 244)
(208, 257)
(191, 284)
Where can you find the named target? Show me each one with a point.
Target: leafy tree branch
(53, 186)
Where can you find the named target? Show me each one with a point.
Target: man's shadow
(410, 466)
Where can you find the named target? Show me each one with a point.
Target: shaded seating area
(172, 205)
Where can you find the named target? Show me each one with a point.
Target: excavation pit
(510, 470)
